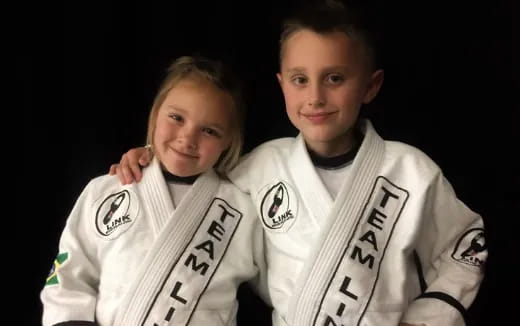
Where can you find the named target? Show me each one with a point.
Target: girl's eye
(175, 117)
(211, 132)
(335, 79)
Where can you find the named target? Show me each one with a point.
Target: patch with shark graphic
(279, 206)
(471, 248)
(116, 214)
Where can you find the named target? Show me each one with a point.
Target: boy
(359, 231)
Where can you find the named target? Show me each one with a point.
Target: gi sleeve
(451, 252)
(259, 283)
(70, 291)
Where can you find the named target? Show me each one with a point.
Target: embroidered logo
(116, 213)
(58, 262)
(278, 207)
(471, 248)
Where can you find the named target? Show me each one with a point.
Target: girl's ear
(374, 85)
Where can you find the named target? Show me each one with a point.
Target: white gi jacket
(395, 245)
(128, 257)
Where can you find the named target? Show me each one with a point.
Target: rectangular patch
(353, 282)
(190, 276)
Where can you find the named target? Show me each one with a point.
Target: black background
(88, 73)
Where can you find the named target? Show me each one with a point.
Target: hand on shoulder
(128, 169)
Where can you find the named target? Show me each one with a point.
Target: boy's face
(325, 79)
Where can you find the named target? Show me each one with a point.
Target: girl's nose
(188, 138)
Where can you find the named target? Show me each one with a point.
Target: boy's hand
(129, 168)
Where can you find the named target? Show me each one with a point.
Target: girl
(173, 248)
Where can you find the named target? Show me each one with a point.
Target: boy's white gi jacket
(128, 257)
(395, 245)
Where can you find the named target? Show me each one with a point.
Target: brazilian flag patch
(53, 277)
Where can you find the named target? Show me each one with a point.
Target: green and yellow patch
(53, 276)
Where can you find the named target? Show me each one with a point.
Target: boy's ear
(374, 85)
(279, 77)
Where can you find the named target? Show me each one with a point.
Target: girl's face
(192, 127)
(325, 79)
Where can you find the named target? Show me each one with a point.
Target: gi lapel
(185, 254)
(313, 192)
(326, 293)
(156, 197)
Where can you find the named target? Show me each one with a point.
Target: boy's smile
(319, 117)
(325, 78)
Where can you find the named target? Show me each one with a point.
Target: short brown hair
(333, 16)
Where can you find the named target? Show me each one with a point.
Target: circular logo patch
(116, 214)
(471, 248)
(279, 206)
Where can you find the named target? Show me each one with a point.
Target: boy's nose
(315, 102)
(315, 96)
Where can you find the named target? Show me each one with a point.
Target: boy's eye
(299, 80)
(335, 79)
(211, 132)
(175, 116)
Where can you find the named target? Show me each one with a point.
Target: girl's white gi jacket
(394, 245)
(128, 257)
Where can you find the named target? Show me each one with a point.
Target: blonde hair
(220, 76)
